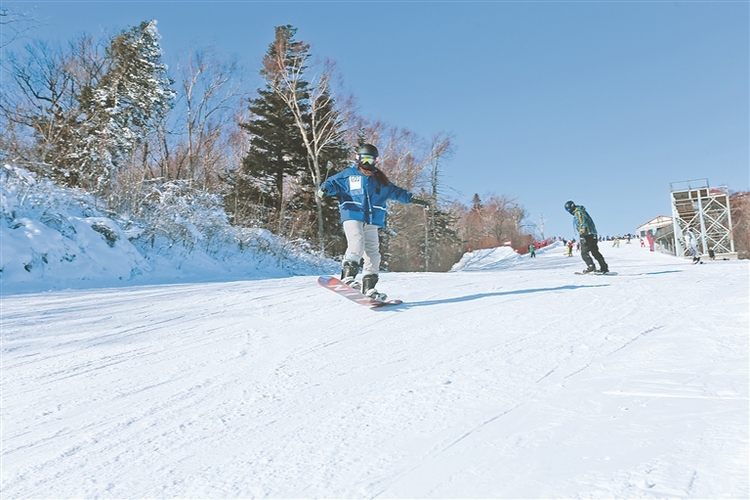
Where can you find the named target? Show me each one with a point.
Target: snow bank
(487, 258)
(56, 238)
(490, 259)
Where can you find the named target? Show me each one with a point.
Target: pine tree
(124, 106)
(276, 149)
(313, 106)
(276, 153)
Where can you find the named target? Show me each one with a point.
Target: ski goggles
(368, 159)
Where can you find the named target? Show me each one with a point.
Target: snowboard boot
(349, 272)
(603, 267)
(368, 287)
(589, 269)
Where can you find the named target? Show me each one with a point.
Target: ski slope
(508, 378)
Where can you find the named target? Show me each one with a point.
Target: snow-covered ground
(509, 378)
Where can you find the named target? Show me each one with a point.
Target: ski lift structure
(704, 212)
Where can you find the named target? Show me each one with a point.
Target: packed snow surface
(515, 379)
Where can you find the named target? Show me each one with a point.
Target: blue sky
(604, 103)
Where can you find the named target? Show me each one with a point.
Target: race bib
(355, 182)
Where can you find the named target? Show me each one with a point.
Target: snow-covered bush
(180, 220)
(173, 213)
(49, 233)
(55, 237)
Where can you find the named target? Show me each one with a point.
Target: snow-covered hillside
(518, 379)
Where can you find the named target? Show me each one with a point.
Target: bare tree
(41, 108)
(539, 226)
(403, 154)
(13, 26)
(494, 222)
(212, 95)
(439, 149)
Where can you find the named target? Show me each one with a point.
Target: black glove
(420, 201)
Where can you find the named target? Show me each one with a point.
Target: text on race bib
(355, 182)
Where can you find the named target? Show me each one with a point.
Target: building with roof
(661, 229)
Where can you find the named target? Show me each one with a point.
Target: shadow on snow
(476, 296)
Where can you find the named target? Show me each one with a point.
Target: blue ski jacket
(361, 197)
(583, 222)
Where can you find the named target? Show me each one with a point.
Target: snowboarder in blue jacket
(362, 191)
(586, 229)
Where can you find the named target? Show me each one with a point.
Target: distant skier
(650, 239)
(589, 240)
(692, 243)
(362, 191)
(532, 250)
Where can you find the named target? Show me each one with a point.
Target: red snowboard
(335, 285)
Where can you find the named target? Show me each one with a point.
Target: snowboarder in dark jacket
(362, 191)
(586, 229)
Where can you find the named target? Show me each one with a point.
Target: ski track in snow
(519, 379)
